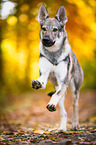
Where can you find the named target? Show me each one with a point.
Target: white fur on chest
(59, 71)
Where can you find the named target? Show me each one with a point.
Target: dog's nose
(46, 38)
(47, 41)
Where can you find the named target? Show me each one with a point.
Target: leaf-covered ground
(25, 120)
(86, 135)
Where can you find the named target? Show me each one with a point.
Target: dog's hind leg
(75, 120)
(75, 96)
(63, 114)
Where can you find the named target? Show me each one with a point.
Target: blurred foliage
(19, 54)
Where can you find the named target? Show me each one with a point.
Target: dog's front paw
(36, 84)
(51, 107)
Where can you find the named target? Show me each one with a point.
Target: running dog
(58, 63)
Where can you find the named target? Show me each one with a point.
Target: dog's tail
(51, 93)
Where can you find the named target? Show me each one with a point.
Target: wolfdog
(58, 63)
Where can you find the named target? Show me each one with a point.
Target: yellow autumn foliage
(20, 39)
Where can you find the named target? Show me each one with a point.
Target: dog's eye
(55, 29)
(44, 29)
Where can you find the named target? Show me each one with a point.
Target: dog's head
(52, 29)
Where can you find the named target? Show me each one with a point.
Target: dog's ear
(43, 14)
(61, 16)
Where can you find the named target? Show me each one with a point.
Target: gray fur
(58, 63)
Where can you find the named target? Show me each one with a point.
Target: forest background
(19, 38)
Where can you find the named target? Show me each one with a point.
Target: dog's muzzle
(47, 41)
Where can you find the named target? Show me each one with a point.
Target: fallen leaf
(23, 139)
(33, 140)
(38, 131)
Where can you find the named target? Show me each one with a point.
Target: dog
(59, 64)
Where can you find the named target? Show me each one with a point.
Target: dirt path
(25, 120)
(86, 135)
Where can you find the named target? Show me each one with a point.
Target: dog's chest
(57, 73)
(53, 78)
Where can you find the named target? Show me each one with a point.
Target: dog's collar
(54, 62)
